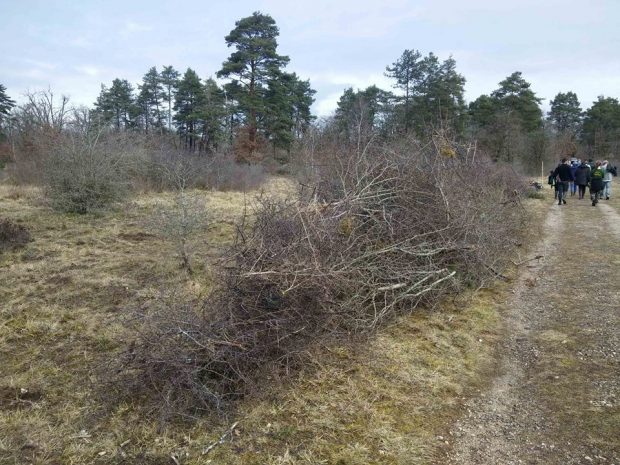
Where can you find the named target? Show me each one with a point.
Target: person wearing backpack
(582, 178)
(596, 183)
(563, 176)
(553, 184)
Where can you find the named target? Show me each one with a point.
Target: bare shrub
(186, 215)
(88, 171)
(393, 228)
(225, 174)
(214, 171)
(12, 235)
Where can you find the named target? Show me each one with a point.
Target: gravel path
(556, 396)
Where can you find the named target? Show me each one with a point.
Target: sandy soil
(556, 396)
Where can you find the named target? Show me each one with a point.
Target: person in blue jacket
(573, 169)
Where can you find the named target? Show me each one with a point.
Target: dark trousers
(582, 191)
(562, 190)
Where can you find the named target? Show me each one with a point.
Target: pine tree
(565, 113)
(214, 116)
(288, 101)
(408, 73)
(515, 95)
(189, 106)
(117, 104)
(254, 63)
(5, 103)
(444, 94)
(363, 113)
(150, 100)
(433, 92)
(601, 127)
(169, 79)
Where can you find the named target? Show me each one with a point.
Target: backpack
(613, 170)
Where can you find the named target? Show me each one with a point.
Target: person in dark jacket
(596, 183)
(563, 177)
(582, 178)
(553, 184)
(573, 169)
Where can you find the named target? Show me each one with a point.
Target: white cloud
(133, 27)
(357, 81)
(88, 70)
(327, 105)
(80, 42)
(344, 18)
(40, 65)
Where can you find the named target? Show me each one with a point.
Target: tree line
(262, 105)
(508, 123)
(261, 101)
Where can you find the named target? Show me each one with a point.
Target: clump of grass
(12, 235)
(534, 194)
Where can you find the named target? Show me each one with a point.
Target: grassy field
(63, 305)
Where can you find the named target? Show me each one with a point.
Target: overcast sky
(73, 46)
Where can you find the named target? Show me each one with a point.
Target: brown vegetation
(393, 228)
(12, 236)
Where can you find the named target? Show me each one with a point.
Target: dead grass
(61, 302)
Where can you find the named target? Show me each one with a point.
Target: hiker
(607, 180)
(563, 176)
(553, 184)
(582, 178)
(596, 183)
(573, 170)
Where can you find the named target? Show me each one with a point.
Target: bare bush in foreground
(394, 228)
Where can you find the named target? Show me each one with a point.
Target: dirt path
(556, 396)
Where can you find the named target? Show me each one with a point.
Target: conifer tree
(515, 95)
(169, 79)
(254, 63)
(408, 73)
(433, 92)
(189, 106)
(565, 113)
(150, 99)
(214, 116)
(117, 104)
(601, 127)
(5, 103)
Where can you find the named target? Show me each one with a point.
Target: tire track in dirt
(556, 396)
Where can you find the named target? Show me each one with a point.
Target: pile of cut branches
(380, 233)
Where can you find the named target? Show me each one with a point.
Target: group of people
(570, 176)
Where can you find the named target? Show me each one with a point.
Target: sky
(74, 46)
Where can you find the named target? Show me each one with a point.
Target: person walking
(606, 180)
(596, 183)
(582, 178)
(573, 169)
(563, 176)
(553, 184)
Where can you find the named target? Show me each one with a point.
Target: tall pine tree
(565, 113)
(150, 100)
(169, 79)
(189, 107)
(254, 63)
